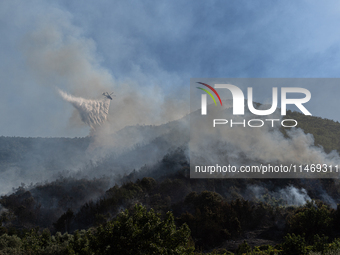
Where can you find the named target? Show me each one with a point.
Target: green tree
(141, 232)
(243, 248)
(320, 244)
(311, 221)
(294, 245)
(10, 244)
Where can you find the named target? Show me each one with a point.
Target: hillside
(220, 213)
(326, 132)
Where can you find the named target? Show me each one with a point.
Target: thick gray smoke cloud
(55, 53)
(53, 50)
(59, 56)
(266, 144)
(92, 112)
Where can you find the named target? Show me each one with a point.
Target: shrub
(141, 232)
(243, 248)
(311, 221)
(294, 245)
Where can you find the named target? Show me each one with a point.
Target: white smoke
(92, 112)
(294, 196)
(328, 200)
(58, 55)
(266, 144)
(287, 196)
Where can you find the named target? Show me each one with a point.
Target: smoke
(249, 145)
(92, 112)
(318, 190)
(53, 52)
(328, 200)
(290, 195)
(286, 196)
(59, 55)
(293, 196)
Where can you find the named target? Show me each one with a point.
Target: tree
(141, 232)
(63, 223)
(243, 248)
(294, 245)
(311, 221)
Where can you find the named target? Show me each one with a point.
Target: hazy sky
(152, 48)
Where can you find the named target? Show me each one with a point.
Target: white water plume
(92, 112)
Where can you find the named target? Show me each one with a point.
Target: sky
(147, 51)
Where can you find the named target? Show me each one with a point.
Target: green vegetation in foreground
(134, 232)
(141, 232)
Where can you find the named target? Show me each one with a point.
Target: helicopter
(106, 94)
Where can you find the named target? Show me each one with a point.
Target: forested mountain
(176, 214)
(326, 132)
(19, 150)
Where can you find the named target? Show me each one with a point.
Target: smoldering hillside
(138, 128)
(142, 147)
(87, 184)
(64, 74)
(134, 149)
(33, 160)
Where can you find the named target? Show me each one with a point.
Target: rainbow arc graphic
(209, 93)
